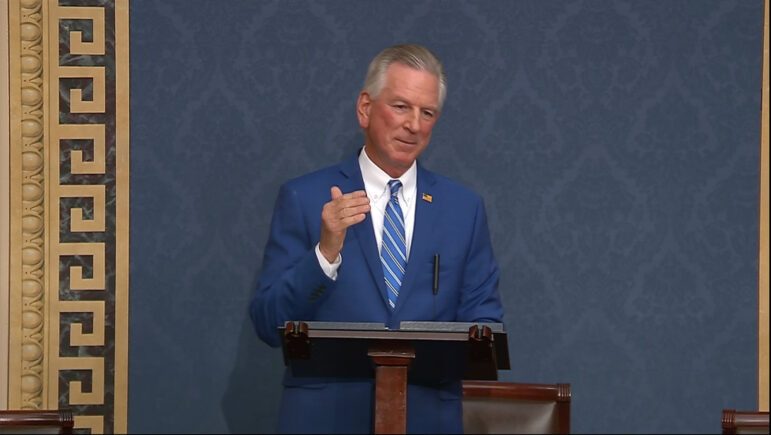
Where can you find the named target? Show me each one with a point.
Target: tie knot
(394, 185)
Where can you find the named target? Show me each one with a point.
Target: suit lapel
(362, 232)
(422, 237)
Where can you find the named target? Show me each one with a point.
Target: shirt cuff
(330, 269)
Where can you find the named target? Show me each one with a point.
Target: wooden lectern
(424, 351)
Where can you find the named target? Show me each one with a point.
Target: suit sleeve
(480, 300)
(292, 281)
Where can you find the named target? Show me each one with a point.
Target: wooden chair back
(512, 407)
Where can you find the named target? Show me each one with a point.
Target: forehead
(417, 86)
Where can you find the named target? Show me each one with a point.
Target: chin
(404, 161)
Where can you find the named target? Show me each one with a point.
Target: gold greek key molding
(77, 103)
(95, 366)
(78, 280)
(93, 422)
(96, 16)
(68, 225)
(93, 132)
(77, 222)
(77, 336)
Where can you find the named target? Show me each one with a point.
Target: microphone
(436, 274)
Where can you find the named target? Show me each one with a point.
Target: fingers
(353, 215)
(345, 210)
(335, 192)
(342, 211)
(344, 206)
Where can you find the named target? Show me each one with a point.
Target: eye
(399, 106)
(428, 114)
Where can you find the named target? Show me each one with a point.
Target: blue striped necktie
(393, 251)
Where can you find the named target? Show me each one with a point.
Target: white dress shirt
(376, 186)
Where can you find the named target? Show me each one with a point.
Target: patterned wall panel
(69, 209)
(615, 144)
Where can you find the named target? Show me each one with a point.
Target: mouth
(406, 142)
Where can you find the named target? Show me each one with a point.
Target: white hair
(412, 55)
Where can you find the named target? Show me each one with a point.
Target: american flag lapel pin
(427, 197)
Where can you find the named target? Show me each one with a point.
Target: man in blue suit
(356, 242)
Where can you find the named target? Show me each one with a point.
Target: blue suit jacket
(450, 221)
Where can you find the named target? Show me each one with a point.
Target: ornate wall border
(69, 209)
(4, 201)
(763, 230)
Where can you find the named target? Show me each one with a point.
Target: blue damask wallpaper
(615, 143)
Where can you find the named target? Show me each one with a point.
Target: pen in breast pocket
(436, 273)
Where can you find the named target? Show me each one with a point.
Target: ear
(363, 107)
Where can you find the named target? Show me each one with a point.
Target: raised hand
(337, 215)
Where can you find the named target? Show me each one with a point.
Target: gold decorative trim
(93, 422)
(68, 219)
(27, 345)
(122, 211)
(763, 233)
(5, 167)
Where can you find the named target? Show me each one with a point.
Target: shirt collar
(376, 180)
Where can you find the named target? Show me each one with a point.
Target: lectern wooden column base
(392, 359)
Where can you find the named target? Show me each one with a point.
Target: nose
(412, 121)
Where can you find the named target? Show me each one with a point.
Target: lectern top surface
(447, 326)
(404, 326)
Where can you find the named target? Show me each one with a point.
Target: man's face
(398, 123)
